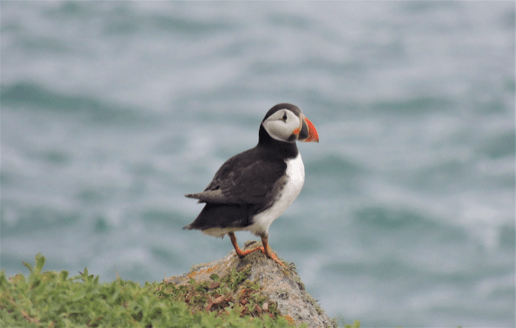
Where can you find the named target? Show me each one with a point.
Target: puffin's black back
(247, 183)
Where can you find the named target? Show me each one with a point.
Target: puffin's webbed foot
(265, 249)
(240, 252)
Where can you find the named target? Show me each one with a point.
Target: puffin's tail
(188, 227)
(221, 216)
(191, 196)
(196, 196)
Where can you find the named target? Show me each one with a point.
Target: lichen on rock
(282, 286)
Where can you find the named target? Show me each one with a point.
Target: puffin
(253, 188)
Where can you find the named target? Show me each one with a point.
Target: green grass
(53, 299)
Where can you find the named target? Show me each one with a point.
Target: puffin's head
(287, 123)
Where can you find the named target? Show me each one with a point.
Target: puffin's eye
(284, 118)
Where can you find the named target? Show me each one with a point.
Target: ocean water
(112, 111)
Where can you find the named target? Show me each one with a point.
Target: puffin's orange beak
(306, 131)
(312, 132)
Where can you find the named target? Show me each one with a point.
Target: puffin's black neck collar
(285, 149)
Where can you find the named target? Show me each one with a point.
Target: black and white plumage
(253, 188)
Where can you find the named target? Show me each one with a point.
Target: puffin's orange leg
(239, 252)
(266, 249)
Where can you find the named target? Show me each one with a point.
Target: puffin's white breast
(295, 175)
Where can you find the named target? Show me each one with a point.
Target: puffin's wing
(254, 183)
(240, 181)
(209, 196)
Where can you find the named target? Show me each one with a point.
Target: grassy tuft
(53, 299)
(223, 295)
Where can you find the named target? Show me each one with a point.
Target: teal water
(112, 111)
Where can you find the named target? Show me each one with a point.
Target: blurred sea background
(112, 111)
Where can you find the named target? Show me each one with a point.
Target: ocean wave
(34, 96)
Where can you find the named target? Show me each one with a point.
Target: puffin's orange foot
(269, 254)
(241, 253)
(274, 258)
(238, 251)
(265, 249)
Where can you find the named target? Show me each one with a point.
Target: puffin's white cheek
(277, 130)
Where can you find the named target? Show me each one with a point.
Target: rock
(280, 285)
